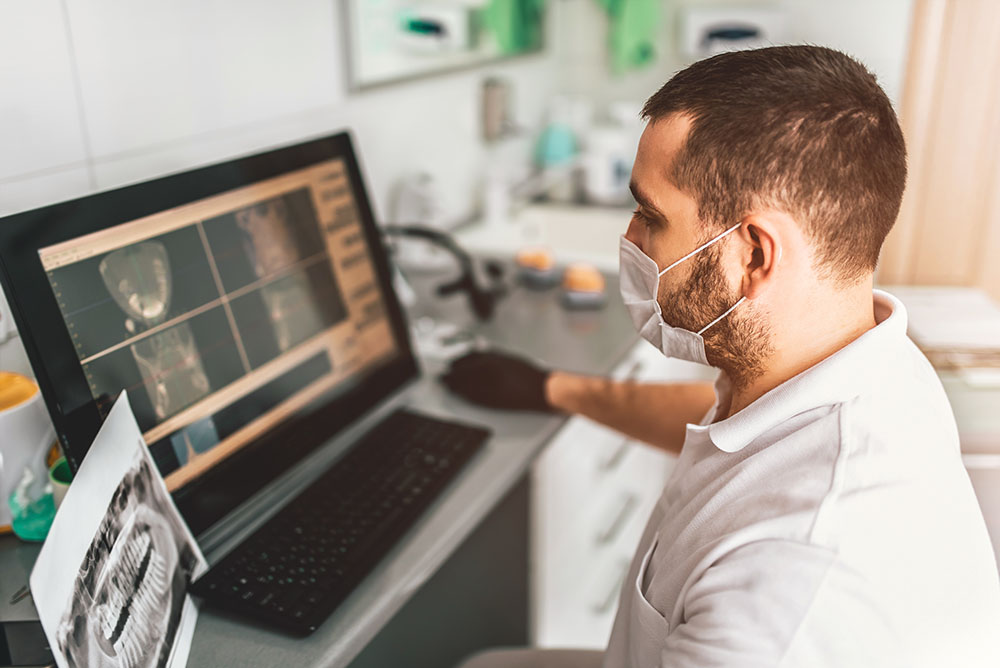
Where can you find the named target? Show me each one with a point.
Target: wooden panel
(960, 146)
(928, 26)
(947, 231)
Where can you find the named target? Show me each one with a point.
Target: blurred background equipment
(497, 122)
(583, 287)
(482, 299)
(707, 30)
(417, 200)
(537, 267)
(392, 40)
(608, 156)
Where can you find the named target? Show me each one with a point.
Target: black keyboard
(300, 565)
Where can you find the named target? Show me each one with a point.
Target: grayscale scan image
(129, 593)
(140, 281)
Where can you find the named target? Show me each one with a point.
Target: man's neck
(805, 342)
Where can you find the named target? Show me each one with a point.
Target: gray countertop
(533, 323)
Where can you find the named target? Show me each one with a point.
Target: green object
(420, 27)
(32, 521)
(632, 37)
(516, 24)
(60, 472)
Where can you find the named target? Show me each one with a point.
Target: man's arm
(653, 413)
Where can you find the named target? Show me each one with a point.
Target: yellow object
(583, 278)
(55, 452)
(15, 389)
(536, 258)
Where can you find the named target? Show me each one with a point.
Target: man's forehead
(659, 146)
(662, 139)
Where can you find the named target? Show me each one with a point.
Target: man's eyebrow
(643, 199)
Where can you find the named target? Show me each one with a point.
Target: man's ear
(765, 235)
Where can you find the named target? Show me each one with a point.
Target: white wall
(101, 93)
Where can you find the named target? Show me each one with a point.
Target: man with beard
(819, 513)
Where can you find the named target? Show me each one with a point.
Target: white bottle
(607, 161)
(607, 167)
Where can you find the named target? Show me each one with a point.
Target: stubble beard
(738, 344)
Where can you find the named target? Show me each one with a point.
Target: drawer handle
(620, 515)
(612, 461)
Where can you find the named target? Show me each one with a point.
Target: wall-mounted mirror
(393, 40)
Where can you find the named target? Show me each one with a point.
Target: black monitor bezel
(47, 342)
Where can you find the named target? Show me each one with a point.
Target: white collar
(838, 378)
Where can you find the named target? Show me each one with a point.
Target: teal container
(556, 146)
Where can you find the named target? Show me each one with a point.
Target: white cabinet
(974, 395)
(593, 490)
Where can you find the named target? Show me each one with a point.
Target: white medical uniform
(829, 523)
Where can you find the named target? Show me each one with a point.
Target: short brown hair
(804, 129)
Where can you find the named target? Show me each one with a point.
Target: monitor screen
(224, 316)
(246, 307)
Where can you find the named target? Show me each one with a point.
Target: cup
(27, 435)
(60, 477)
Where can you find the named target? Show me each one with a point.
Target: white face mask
(639, 279)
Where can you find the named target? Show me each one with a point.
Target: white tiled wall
(51, 184)
(40, 129)
(156, 74)
(118, 92)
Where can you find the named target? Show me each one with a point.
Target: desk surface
(529, 322)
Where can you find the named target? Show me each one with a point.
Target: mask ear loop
(730, 310)
(700, 248)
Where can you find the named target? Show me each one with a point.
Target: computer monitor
(246, 308)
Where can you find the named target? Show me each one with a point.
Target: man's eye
(644, 219)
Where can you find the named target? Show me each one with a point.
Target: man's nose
(634, 233)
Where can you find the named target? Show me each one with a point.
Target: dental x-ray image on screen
(140, 281)
(272, 259)
(225, 316)
(129, 593)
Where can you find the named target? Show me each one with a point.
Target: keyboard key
(305, 560)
